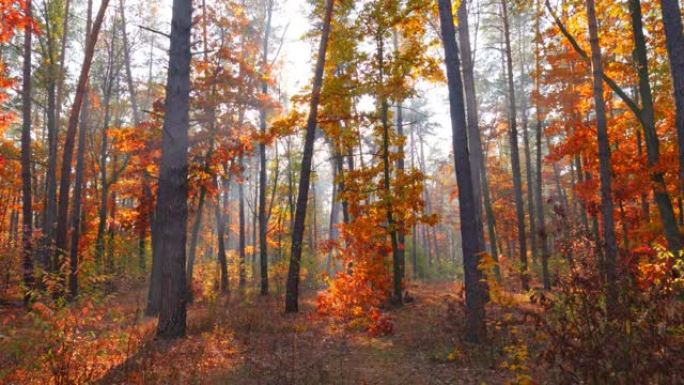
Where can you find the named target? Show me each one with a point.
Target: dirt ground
(247, 339)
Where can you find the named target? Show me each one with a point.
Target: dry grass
(247, 339)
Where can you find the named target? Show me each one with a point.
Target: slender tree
(541, 225)
(74, 116)
(515, 155)
(78, 182)
(27, 203)
(471, 244)
(479, 170)
(263, 225)
(610, 250)
(292, 289)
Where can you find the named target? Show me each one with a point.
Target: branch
(155, 31)
(583, 54)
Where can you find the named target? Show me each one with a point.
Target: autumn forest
(342, 192)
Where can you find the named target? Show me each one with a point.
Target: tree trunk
(220, 234)
(78, 182)
(292, 290)
(242, 235)
(27, 203)
(74, 115)
(515, 156)
(401, 251)
(541, 225)
(674, 41)
(604, 161)
(127, 64)
(172, 206)
(333, 233)
(387, 193)
(528, 159)
(471, 241)
(263, 224)
(662, 198)
(194, 238)
(477, 159)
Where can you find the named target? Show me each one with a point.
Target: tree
(479, 169)
(65, 182)
(78, 183)
(515, 156)
(538, 193)
(471, 241)
(674, 41)
(263, 225)
(172, 206)
(604, 159)
(27, 207)
(292, 289)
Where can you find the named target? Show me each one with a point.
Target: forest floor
(247, 339)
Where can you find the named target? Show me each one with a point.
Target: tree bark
(515, 156)
(662, 197)
(74, 115)
(604, 161)
(674, 41)
(541, 225)
(27, 203)
(471, 241)
(242, 233)
(78, 182)
(172, 205)
(220, 235)
(477, 159)
(388, 194)
(263, 222)
(292, 289)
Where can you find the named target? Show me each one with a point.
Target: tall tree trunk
(401, 250)
(604, 161)
(220, 234)
(387, 193)
(471, 241)
(414, 230)
(515, 156)
(27, 203)
(528, 158)
(127, 65)
(263, 224)
(46, 252)
(62, 60)
(242, 232)
(333, 233)
(104, 193)
(74, 116)
(541, 225)
(172, 206)
(662, 198)
(78, 182)
(292, 290)
(674, 41)
(477, 160)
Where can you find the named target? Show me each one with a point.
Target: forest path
(248, 339)
(276, 348)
